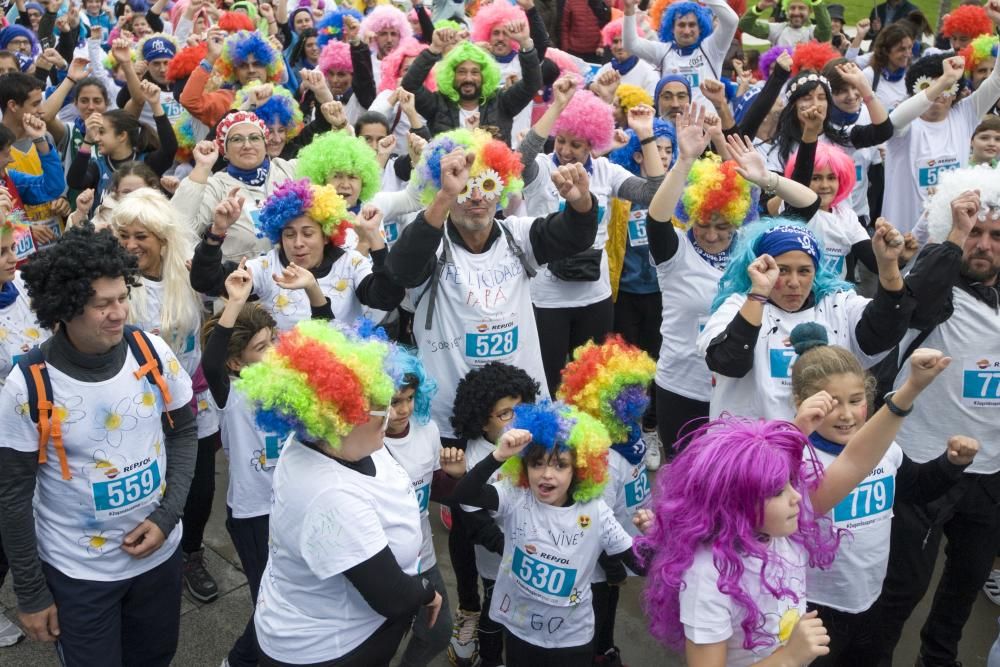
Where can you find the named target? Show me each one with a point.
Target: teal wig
(444, 71)
(409, 373)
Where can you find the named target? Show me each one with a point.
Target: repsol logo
(554, 559)
(138, 464)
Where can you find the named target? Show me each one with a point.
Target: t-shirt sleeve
(178, 381)
(614, 539)
(855, 231)
(340, 530)
(261, 273)
(706, 612)
(435, 437)
(361, 266)
(19, 432)
(507, 496)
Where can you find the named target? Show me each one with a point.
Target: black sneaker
(199, 582)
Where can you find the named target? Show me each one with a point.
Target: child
(610, 383)
(737, 520)
(844, 595)
(414, 441)
(556, 526)
(484, 407)
(986, 142)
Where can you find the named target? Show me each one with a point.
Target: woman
(280, 112)
(342, 581)
(129, 177)
(89, 97)
(308, 224)
(241, 138)
(305, 53)
(892, 52)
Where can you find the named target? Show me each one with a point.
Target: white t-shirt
(711, 616)
(522, 121)
(541, 198)
(188, 346)
(965, 398)
(782, 34)
(487, 562)
(628, 490)
(115, 450)
(688, 284)
(252, 456)
(419, 452)
(482, 314)
(290, 306)
(837, 230)
(542, 594)
(766, 391)
(854, 581)
(890, 93)
(642, 74)
(325, 519)
(19, 330)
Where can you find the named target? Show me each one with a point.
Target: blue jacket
(41, 189)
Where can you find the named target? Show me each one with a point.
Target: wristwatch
(893, 408)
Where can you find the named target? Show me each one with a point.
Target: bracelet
(893, 408)
(89, 143)
(209, 236)
(71, 80)
(759, 298)
(772, 184)
(648, 140)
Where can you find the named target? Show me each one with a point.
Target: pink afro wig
(836, 160)
(610, 31)
(968, 20)
(335, 56)
(812, 55)
(566, 63)
(385, 16)
(492, 15)
(589, 118)
(392, 65)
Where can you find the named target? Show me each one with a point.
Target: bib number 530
(543, 577)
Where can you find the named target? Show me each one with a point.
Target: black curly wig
(479, 391)
(60, 278)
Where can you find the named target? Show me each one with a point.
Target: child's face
(400, 411)
(549, 477)
(825, 183)
(500, 417)
(262, 341)
(781, 513)
(985, 146)
(851, 411)
(93, 7)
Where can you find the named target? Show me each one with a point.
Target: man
(156, 51)
(964, 229)
(888, 12)
(671, 97)
(796, 30)
(383, 29)
(468, 83)
(107, 453)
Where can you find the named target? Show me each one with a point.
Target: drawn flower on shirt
(173, 368)
(340, 285)
(105, 463)
(112, 423)
(21, 406)
(259, 460)
(100, 542)
(355, 262)
(285, 302)
(787, 623)
(574, 597)
(68, 410)
(145, 403)
(32, 333)
(3, 335)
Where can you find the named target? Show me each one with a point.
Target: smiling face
(259, 344)
(249, 70)
(145, 246)
(347, 185)
(302, 21)
(102, 323)
(549, 475)
(500, 41)
(851, 411)
(781, 513)
(303, 242)
(985, 146)
(686, 30)
(714, 236)
(796, 273)
(311, 49)
(847, 99)
(825, 183)
(245, 146)
(277, 137)
(814, 98)
(571, 149)
(90, 100)
(108, 140)
(140, 26)
(468, 81)
(339, 81)
(798, 14)
(901, 53)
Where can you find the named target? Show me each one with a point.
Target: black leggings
(605, 600)
(673, 412)
(853, 637)
(463, 556)
(376, 651)
(637, 319)
(562, 330)
(198, 506)
(522, 654)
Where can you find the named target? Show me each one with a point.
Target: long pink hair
(836, 160)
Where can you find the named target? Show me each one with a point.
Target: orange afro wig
(812, 55)
(968, 20)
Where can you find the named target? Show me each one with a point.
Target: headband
(786, 238)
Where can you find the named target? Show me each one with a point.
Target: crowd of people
(511, 257)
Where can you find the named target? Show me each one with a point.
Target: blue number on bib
(835, 263)
(423, 496)
(981, 384)
(189, 344)
(391, 231)
(637, 490)
(637, 231)
(867, 499)
(541, 576)
(493, 344)
(928, 176)
(857, 173)
(693, 78)
(117, 493)
(781, 362)
(600, 209)
(272, 446)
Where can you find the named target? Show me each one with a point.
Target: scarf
(255, 177)
(634, 449)
(718, 260)
(824, 445)
(588, 165)
(684, 50)
(894, 76)
(842, 118)
(507, 58)
(623, 67)
(8, 294)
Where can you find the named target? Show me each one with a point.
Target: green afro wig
(444, 71)
(336, 152)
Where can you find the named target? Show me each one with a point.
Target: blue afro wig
(625, 156)
(409, 373)
(331, 26)
(676, 10)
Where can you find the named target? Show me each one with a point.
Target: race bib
(835, 263)
(929, 171)
(273, 444)
(691, 75)
(124, 493)
(254, 214)
(24, 244)
(637, 229)
(867, 500)
(423, 492)
(390, 231)
(981, 382)
(637, 490)
(781, 362)
(542, 579)
(494, 340)
(189, 344)
(857, 173)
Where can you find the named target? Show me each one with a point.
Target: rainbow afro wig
(714, 189)
(632, 96)
(240, 46)
(331, 26)
(320, 380)
(13, 221)
(444, 71)
(184, 130)
(496, 170)
(557, 427)
(385, 17)
(392, 65)
(589, 118)
(625, 156)
(678, 9)
(812, 55)
(409, 373)
(611, 31)
(296, 198)
(967, 20)
(335, 57)
(492, 15)
(339, 152)
(280, 109)
(768, 58)
(609, 382)
(981, 48)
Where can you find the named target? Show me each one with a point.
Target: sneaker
(992, 587)
(653, 453)
(10, 633)
(463, 650)
(199, 582)
(446, 517)
(611, 658)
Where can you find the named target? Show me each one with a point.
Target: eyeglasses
(504, 415)
(384, 414)
(19, 42)
(240, 139)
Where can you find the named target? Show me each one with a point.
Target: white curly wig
(984, 178)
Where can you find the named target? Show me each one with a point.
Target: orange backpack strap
(42, 410)
(149, 364)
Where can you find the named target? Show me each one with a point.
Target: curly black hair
(479, 391)
(60, 278)
(929, 66)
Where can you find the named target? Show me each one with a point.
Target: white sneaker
(10, 634)
(463, 651)
(653, 453)
(992, 587)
